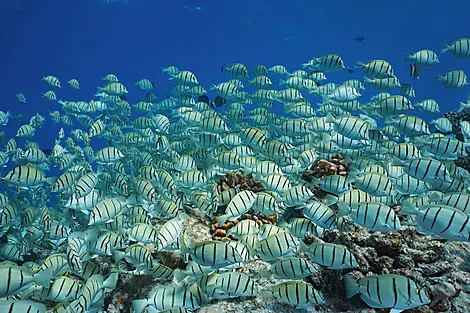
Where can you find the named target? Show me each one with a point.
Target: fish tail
(445, 48)
(367, 80)
(408, 208)
(351, 287)
(139, 305)
(408, 57)
(463, 106)
(343, 209)
(43, 278)
(360, 64)
(221, 219)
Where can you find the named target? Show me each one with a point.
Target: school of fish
(161, 161)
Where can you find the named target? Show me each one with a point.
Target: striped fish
(142, 233)
(91, 293)
(15, 279)
(376, 68)
(453, 79)
(145, 189)
(459, 48)
(423, 57)
(387, 291)
(372, 215)
(320, 214)
(108, 155)
(158, 271)
(427, 170)
(226, 90)
(52, 81)
(330, 255)
(299, 227)
(106, 210)
(163, 298)
(57, 262)
(230, 285)
(299, 294)
(21, 306)
(335, 184)
(411, 126)
(440, 221)
(458, 200)
(277, 183)
(85, 184)
(169, 232)
(276, 246)
(216, 254)
(375, 184)
(114, 89)
(405, 151)
(62, 289)
(350, 126)
(290, 268)
(253, 137)
(27, 177)
(236, 70)
(446, 148)
(185, 78)
(407, 185)
(238, 205)
(96, 129)
(138, 255)
(86, 203)
(243, 228)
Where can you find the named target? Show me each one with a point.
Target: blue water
(86, 39)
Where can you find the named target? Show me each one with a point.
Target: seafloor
(441, 267)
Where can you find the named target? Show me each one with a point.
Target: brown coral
(219, 232)
(232, 180)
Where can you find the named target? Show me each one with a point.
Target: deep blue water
(86, 39)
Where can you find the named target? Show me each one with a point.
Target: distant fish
(359, 38)
(414, 71)
(350, 70)
(218, 102)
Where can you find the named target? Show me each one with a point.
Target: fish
(296, 293)
(275, 155)
(387, 291)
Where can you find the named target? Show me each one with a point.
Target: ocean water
(134, 39)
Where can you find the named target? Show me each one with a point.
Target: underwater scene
(204, 156)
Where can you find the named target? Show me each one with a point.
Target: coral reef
(232, 180)
(242, 182)
(322, 168)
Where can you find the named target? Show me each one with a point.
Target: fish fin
(367, 80)
(395, 311)
(408, 208)
(325, 138)
(445, 48)
(303, 248)
(359, 64)
(139, 305)
(43, 278)
(111, 281)
(463, 106)
(330, 118)
(343, 209)
(267, 294)
(331, 199)
(221, 219)
(351, 287)
(179, 275)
